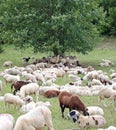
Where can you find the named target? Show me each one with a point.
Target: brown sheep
(17, 85)
(68, 100)
(51, 93)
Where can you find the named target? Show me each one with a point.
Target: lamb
(31, 88)
(94, 121)
(37, 118)
(12, 99)
(6, 121)
(95, 110)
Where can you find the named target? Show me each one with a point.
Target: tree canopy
(51, 25)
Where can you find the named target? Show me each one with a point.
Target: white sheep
(12, 99)
(29, 77)
(36, 119)
(31, 88)
(40, 103)
(94, 121)
(109, 128)
(95, 110)
(8, 64)
(12, 71)
(94, 82)
(29, 105)
(6, 121)
(107, 92)
(11, 78)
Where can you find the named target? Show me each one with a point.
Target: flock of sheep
(38, 79)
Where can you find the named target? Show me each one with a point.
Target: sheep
(6, 121)
(94, 82)
(36, 119)
(109, 128)
(40, 103)
(68, 100)
(106, 63)
(8, 64)
(107, 92)
(12, 71)
(29, 77)
(31, 88)
(95, 110)
(11, 78)
(51, 93)
(43, 89)
(17, 85)
(29, 106)
(94, 121)
(12, 99)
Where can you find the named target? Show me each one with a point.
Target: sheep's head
(74, 114)
(85, 112)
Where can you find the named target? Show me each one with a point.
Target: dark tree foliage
(109, 27)
(51, 25)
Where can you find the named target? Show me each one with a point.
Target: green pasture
(105, 50)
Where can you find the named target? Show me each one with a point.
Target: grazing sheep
(11, 78)
(12, 71)
(8, 64)
(95, 110)
(95, 121)
(36, 119)
(12, 99)
(27, 107)
(31, 88)
(106, 63)
(94, 82)
(17, 85)
(68, 100)
(107, 92)
(6, 121)
(51, 93)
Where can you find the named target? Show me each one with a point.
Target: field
(105, 50)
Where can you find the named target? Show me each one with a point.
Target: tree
(109, 7)
(51, 25)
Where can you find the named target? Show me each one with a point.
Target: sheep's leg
(62, 110)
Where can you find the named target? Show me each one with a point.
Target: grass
(105, 50)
